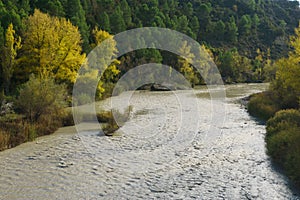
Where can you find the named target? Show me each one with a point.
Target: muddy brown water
(161, 152)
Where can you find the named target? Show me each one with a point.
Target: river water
(165, 150)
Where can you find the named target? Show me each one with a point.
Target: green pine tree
(117, 22)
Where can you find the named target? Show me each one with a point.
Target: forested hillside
(238, 32)
(247, 25)
(248, 33)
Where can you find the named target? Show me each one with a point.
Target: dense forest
(238, 32)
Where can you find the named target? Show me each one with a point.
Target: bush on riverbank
(283, 142)
(37, 111)
(262, 106)
(41, 99)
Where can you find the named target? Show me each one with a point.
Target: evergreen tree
(231, 33)
(245, 25)
(104, 22)
(9, 14)
(158, 22)
(117, 22)
(76, 14)
(53, 7)
(126, 13)
(24, 8)
(219, 30)
(165, 7)
(194, 24)
(256, 21)
(183, 24)
(187, 9)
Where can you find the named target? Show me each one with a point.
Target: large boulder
(162, 87)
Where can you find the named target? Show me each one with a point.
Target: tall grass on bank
(4, 140)
(17, 130)
(37, 111)
(111, 120)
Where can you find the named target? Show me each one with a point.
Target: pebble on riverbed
(63, 164)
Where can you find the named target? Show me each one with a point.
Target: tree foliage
(8, 56)
(41, 97)
(185, 65)
(283, 127)
(52, 48)
(287, 82)
(283, 139)
(221, 25)
(100, 70)
(77, 16)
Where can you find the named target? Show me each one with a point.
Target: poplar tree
(52, 47)
(8, 57)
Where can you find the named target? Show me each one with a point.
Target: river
(161, 152)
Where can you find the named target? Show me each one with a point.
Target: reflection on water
(147, 161)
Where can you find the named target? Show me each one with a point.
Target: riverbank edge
(257, 107)
(27, 131)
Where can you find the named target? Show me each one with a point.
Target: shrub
(68, 118)
(104, 116)
(42, 102)
(292, 164)
(48, 124)
(111, 120)
(283, 142)
(41, 97)
(283, 120)
(83, 99)
(262, 106)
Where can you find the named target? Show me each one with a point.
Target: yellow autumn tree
(52, 48)
(287, 82)
(204, 58)
(185, 64)
(8, 57)
(98, 75)
(109, 76)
